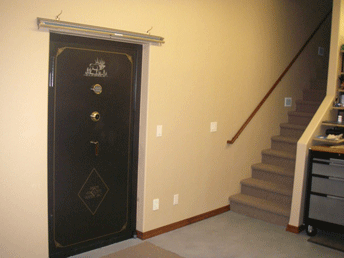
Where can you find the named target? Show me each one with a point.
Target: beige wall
(219, 60)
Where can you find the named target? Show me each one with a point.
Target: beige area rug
(144, 250)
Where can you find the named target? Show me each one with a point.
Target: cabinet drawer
(326, 209)
(328, 186)
(328, 170)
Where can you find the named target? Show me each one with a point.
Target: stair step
(299, 118)
(273, 174)
(308, 102)
(268, 186)
(261, 204)
(292, 130)
(274, 169)
(283, 154)
(279, 158)
(314, 95)
(270, 191)
(307, 106)
(284, 143)
(260, 209)
(319, 83)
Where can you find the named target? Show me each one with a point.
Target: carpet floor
(144, 250)
(228, 235)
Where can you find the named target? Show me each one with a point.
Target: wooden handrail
(277, 82)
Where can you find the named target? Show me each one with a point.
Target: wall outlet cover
(158, 130)
(155, 204)
(175, 199)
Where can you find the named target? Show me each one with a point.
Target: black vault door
(92, 143)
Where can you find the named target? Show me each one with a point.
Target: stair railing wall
(324, 112)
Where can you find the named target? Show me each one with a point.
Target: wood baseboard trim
(294, 229)
(182, 223)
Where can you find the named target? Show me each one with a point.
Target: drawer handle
(338, 161)
(336, 178)
(335, 197)
(321, 160)
(336, 164)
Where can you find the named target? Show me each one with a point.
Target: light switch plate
(213, 127)
(155, 204)
(320, 51)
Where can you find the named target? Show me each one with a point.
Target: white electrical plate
(320, 51)
(287, 102)
(158, 130)
(213, 127)
(175, 199)
(155, 204)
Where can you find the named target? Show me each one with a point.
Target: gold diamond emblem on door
(93, 192)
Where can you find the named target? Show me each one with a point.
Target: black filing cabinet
(325, 190)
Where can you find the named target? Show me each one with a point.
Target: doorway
(94, 93)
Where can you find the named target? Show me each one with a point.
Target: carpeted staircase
(267, 195)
